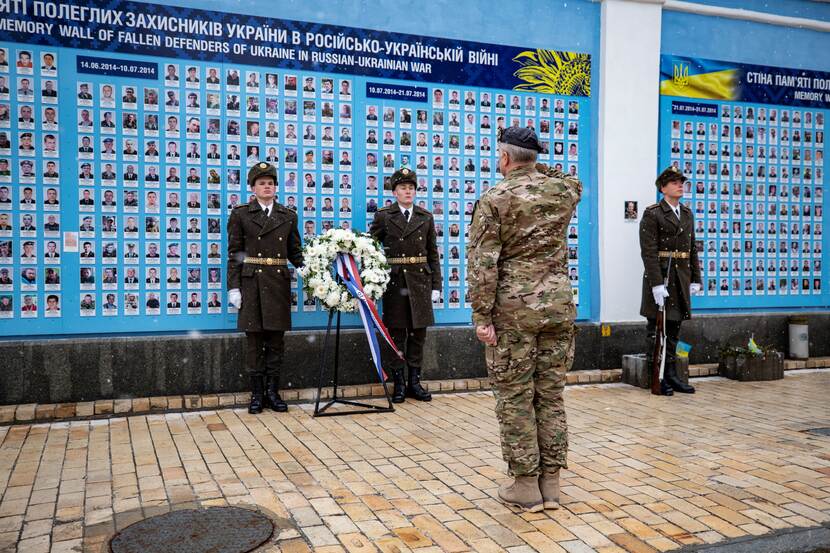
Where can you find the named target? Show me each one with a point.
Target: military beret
(401, 176)
(521, 137)
(670, 174)
(261, 169)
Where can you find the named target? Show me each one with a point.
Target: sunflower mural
(554, 72)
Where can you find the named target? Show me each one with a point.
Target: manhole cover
(819, 431)
(216, 529)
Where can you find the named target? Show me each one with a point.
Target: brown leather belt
(412, 260)
(265, 261)
(678, 255)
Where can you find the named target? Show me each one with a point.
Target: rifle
(658, 362)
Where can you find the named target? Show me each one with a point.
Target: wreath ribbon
(346, 268)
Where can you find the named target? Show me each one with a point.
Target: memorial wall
(126, 133)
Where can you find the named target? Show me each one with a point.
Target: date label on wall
(396, 92)
(117, 68)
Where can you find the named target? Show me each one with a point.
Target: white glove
(695, 288)
(436, 296)
(235, 298)
(660, 294)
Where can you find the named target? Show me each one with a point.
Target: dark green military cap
(261, 169)
(521, 137)
(670, 174)
(401, 176)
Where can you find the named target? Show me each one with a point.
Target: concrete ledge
(36, 413)
(84, 369)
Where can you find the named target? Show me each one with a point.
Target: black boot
(414, 388)
(670, 376)
(272, 395)
(665, 388)
(255, 406)
(400, 386)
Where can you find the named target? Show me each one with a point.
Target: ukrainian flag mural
(739, 82)
(697, 78)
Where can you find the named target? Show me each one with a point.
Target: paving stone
(425, 477)
(122, 406)
(103, 407)
(25, 412)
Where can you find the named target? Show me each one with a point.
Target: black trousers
(411, 343)
(264, 352)
(672, 337)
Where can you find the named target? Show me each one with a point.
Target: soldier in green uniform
(523, 311)
(407, 233)
(262, 239)
(667, 231)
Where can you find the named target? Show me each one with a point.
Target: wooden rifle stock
(659, 339)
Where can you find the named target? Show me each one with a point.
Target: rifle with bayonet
(658, 362)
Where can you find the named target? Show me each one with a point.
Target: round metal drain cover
(216, 529)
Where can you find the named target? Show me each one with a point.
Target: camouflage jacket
(517, 251)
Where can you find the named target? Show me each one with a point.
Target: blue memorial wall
(778, 58)
(751, 141)
(126, 133)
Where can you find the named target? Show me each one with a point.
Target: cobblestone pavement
(646, 473)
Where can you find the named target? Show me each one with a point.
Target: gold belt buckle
(413, 260)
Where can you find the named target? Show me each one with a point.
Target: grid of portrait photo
(450, 142)
(146, 173)
(183, 149)
(756, 188)
(30, 207)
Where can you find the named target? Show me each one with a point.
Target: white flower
(332, 299)
(320, 255)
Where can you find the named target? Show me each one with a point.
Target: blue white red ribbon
(346, 267)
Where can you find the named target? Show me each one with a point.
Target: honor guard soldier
(523, 311)
(262, 239)
(407, 233)
(667, 232)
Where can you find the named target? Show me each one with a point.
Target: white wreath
(318, 261)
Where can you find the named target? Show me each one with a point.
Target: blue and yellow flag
(698, 78)
(753, 347)
(682, 349)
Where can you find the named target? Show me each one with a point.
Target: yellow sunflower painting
(554, 72)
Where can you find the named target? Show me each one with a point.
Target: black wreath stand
(364, 407)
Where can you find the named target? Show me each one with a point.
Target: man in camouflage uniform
(523, 311)
(667, 231)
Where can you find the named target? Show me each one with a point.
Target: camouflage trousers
(527, 374)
